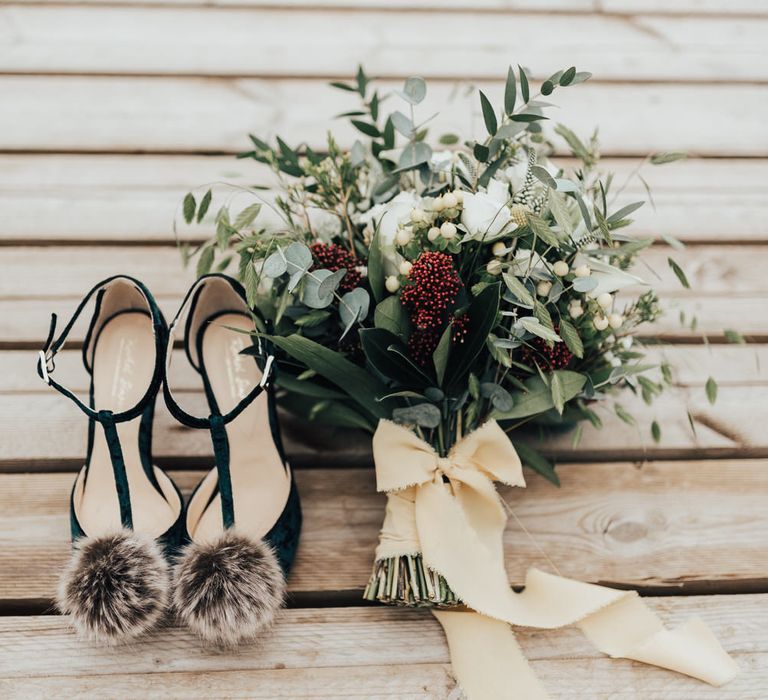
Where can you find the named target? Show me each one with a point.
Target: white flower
(486, 215)
(389, 217)
(324, 223)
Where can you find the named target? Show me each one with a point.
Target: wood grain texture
(364, 653)
(133, 199)
(208, 41)
(208, 115)
(618, 523)
(748, 8)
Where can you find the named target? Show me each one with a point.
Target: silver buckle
(267, 368)
(43, 359)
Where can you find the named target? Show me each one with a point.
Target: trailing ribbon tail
(445, 512)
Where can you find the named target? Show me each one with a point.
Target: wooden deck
(111, 110)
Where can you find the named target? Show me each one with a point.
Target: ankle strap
(46, 364)
(263, 349)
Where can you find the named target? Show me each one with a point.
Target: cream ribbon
(447, 508)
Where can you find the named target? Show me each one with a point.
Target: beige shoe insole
(260, 482)
(123, 364)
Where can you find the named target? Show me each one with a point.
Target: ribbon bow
(447, 509)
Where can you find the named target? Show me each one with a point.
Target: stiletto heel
(244, 517)
(125, 513)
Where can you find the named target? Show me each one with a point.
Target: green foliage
(355, 352)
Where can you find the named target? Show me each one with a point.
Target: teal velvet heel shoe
(244, 518)
(125, 513)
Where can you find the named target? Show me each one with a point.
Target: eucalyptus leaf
(402, 123)
(331, 282)
(353, 308)
(425, 415)
(414, 154)
(312, 294)
(275, 265)
(414, 90)
(499, 397)
(298, 255)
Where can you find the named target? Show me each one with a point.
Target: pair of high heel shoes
(220, 562)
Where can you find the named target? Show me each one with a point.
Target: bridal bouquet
(442, 287)
(442, 294)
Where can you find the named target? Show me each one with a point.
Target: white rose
(486, 215)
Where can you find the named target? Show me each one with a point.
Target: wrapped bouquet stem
(441, 299)
(441, 546)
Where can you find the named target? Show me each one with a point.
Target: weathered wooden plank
(618, 7)
(621, 524)
(205, 115)
(75, 197)
(362, 652)
(210, 41)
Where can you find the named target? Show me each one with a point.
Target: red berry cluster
(558, 356)
(433, 285)
(329, 256)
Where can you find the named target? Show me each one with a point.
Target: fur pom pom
(115, 587)
(228, 590)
